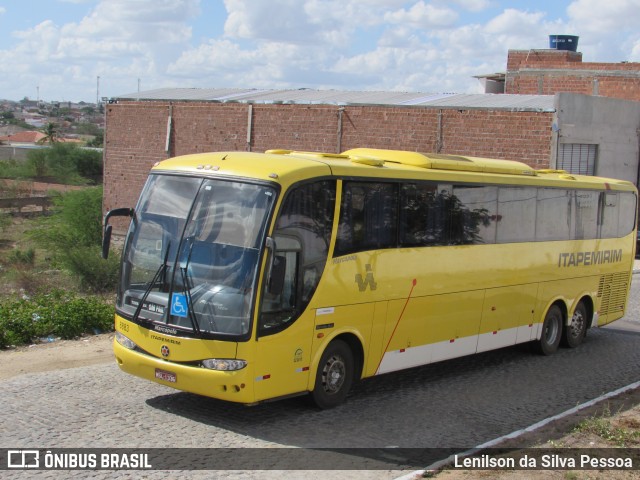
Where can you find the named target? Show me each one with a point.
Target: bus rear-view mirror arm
(106, 228)
(276, 269)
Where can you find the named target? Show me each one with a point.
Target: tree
(51, 134)
(98, 140)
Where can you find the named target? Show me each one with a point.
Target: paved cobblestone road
(459, 403)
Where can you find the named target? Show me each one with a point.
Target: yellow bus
(254, 276)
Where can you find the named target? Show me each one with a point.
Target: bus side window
(302, 236)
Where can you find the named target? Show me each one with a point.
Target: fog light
(225, 364)
(125, 342)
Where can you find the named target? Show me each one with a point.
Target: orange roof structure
(29, 136)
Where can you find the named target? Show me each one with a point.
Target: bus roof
(288, 166)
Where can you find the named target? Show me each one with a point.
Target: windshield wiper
(190, 313)
(187, 290)
(156, 277)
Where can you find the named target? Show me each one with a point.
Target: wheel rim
(334, 374)
(552, 330)
(577, 324)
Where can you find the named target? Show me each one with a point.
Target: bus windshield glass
(191, 257)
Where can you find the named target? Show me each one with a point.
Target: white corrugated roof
(541, 103)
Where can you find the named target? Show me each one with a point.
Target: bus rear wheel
(551, 332)
(575, 332)
(334, 377)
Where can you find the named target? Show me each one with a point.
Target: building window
(577, 158)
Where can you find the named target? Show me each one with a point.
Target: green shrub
(5, 221)
(67, 162)
(37, 162)
(58, 313)
(18, 257)
(94, 274)
(81, 212)
(73, 234)
(76, 221)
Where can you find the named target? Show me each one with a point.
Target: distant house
(35, 119)
(28, 137)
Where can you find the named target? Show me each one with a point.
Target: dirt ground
(58, 355)
(92, 350)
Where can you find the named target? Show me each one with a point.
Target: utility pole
(98, 91)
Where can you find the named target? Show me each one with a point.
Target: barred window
(577, 158)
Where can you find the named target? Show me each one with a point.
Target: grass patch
(623, 434)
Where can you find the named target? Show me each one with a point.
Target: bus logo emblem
(164, 350)
(368, 280)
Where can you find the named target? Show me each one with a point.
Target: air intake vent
(612, 290)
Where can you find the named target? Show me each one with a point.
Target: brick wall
(546, 72)
(136, 134)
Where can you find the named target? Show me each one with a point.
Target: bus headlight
(225, 364)
(125, 342)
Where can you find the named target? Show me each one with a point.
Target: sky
(81, 50)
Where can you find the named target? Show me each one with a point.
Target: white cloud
(473, 5)
(423, 15)
(608, 31)
(420, 45)
(119, 40)
(635, 52)
(595, 16)
(513, 21)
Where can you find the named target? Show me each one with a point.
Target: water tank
(564, 42)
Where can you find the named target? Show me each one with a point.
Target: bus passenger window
(516, 214)
(553, 215)
(627, 204)
(368, 217)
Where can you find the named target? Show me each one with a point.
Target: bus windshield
(191, 256)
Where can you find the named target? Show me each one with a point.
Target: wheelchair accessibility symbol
(179, 307)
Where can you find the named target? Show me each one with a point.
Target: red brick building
(142, 132)
(547, 72)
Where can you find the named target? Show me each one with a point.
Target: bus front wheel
(575, 332)
(551, 331)
(334, 377)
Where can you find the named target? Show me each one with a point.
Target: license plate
(166, 376)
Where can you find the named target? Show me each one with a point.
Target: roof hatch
(378, 157)
(443, 162)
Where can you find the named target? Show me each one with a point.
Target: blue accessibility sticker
(179, 306)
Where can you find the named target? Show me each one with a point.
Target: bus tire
(574, 333)
(551, 332)
(334, 376)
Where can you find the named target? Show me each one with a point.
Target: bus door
(284, 333)
(299, 249)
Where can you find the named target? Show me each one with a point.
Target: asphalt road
(455, 404)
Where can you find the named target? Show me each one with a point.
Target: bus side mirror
(106, 228)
